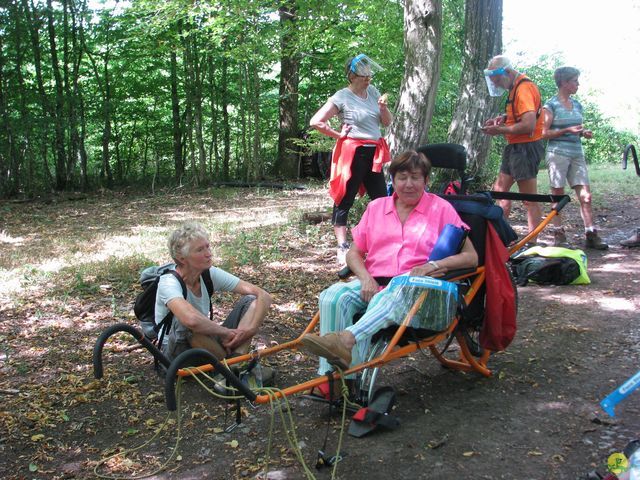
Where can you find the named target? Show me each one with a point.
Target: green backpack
(550, 266)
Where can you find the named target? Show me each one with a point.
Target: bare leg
(557, 220)
(503, 184)
(209, 343)
(534, 212)
(341, 233)
(584, 197)
(244, 321)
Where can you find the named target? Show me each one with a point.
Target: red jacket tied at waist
(343, 154)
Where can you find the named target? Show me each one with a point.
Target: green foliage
(226, 82)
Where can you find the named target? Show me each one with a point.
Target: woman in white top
(191, 327)
(360, 150)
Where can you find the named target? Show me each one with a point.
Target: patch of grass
(252, 247)
(114, 276)
(605, 179)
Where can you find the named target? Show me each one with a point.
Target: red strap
(324, 389)
(361, 414)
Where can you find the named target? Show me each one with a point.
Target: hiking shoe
(560, 238)
(593, 241)
(328, 346)
(632, 241)
(220, 385)
(341, 253)
(259, 377)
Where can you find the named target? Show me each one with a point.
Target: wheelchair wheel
(367, 380)
(471, 332)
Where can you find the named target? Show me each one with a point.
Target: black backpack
(544, 270)
(144, 306)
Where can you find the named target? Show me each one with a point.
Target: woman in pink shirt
(395, 236)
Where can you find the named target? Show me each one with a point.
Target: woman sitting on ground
(192, 328)
(395, 236)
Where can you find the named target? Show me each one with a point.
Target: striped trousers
(341, 301)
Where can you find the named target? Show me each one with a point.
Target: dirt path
(537, 417)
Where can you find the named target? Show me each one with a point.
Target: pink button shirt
(392, 248)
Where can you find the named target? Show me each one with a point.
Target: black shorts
(522, 160)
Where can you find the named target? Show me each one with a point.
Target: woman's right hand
(574, 129)
(368, 288)
(345, 130)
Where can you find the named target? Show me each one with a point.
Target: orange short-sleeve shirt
(527, 99)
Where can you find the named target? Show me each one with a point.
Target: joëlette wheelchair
(400, 341)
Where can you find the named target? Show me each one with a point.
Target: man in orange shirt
(522, 128)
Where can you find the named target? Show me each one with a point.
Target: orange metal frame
(466, 361)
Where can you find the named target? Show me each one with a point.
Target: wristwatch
(434, 264)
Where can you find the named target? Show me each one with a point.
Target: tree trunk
(243, 160)
(225, 118)
(61, 156)
(106, 132)
(214, 149)
(422, 47)
(32, 25)
(287, 162)
(483, 40)
(25, 127)
(76, 102)
(189, 97)
(178, 161)
(9, 172)
(258, 169)
(197, 105)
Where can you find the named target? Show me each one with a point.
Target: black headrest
(446, 155)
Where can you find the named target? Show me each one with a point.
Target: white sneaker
(341, 254)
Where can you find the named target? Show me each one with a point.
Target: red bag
(499, 326)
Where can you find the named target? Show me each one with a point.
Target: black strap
(381, 418)
(165, 325)
(205, 276)
(511, 99)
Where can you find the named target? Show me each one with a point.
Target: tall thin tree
(422, 48)
(483, 40)
(286, 164)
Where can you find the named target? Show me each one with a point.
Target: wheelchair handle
(562, 202)
(135, 333)
(630, 149)
(172, 371)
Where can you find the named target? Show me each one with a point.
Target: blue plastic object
(449, 242)
(623, 391)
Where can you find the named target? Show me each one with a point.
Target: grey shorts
(175, 347)
(565, 169)
(522, 160)
(238, 311)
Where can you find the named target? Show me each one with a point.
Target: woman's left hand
(240, 337)
(428, 270)
(587, 133)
